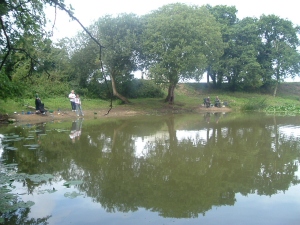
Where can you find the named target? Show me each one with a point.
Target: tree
(178, 39)
(22, 26)
(278, 53)
(84, 62)
(226, 17)
(56, 62)
(241, 66)
(118, 35)
(22, 35)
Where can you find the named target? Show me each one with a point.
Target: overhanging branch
(70, 13)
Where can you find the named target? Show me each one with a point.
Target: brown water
(184, 169)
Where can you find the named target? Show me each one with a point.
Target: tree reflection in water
(179, 177)
(184, 178)
(20, 217)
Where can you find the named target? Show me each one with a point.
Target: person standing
(78, 106)
(72, 100)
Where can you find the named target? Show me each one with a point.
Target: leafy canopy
(179, 40)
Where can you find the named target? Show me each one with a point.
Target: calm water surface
(183, 169)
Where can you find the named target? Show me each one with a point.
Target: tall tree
(226, 16)
(22, 26)
(278, 54)
(241, 67)
(119, 36)
(177, 42)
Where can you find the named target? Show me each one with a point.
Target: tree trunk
(212, 75)
(219, 80)
(275, 90)
(207, 77)
(117, 132)
(277, 82)
(115, 92)
(170, 97)
(172, 132)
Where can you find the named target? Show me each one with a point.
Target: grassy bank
(187, 97)
(12, 105)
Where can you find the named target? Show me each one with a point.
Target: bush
(135, 88)
(138, 88)
(46, 88)
(254, 104)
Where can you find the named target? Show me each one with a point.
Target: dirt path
(69, 115)
(115, 112)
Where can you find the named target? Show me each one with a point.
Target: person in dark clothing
(42, 108)
(217, 102)
(207, 102)
(39, 106)
(37, 101)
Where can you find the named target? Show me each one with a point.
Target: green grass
(54, 104)
(187, 96)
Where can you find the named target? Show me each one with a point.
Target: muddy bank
(103, 113)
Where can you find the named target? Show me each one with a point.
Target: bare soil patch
(102, 113)
(69, 115)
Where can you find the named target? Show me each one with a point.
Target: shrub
(138, 88)
(254, 104)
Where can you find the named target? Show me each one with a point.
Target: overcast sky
(88, 11)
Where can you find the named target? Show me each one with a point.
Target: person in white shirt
(72, 100)
(78, 106)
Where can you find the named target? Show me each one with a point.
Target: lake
(211, 168)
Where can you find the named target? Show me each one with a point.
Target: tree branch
(70, 13)
(31, 60)
(7, 43)
(21, 16)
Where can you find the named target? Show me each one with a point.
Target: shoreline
(117, 112)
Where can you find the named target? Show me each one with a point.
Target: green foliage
(179, 41)
(254, 104)
(172, 44)
(99, 90)
(136, 88)
(227, 18)
(240, 60)
(283, 108)
(120, 36)
(278, 55)
(141, 89)
(258, 52)
(25, 47)
(8, 88)
(47, 88)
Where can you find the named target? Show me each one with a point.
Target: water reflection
(179, 167)
(76, 129)
(213, 117)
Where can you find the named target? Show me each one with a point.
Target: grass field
(186, 96)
